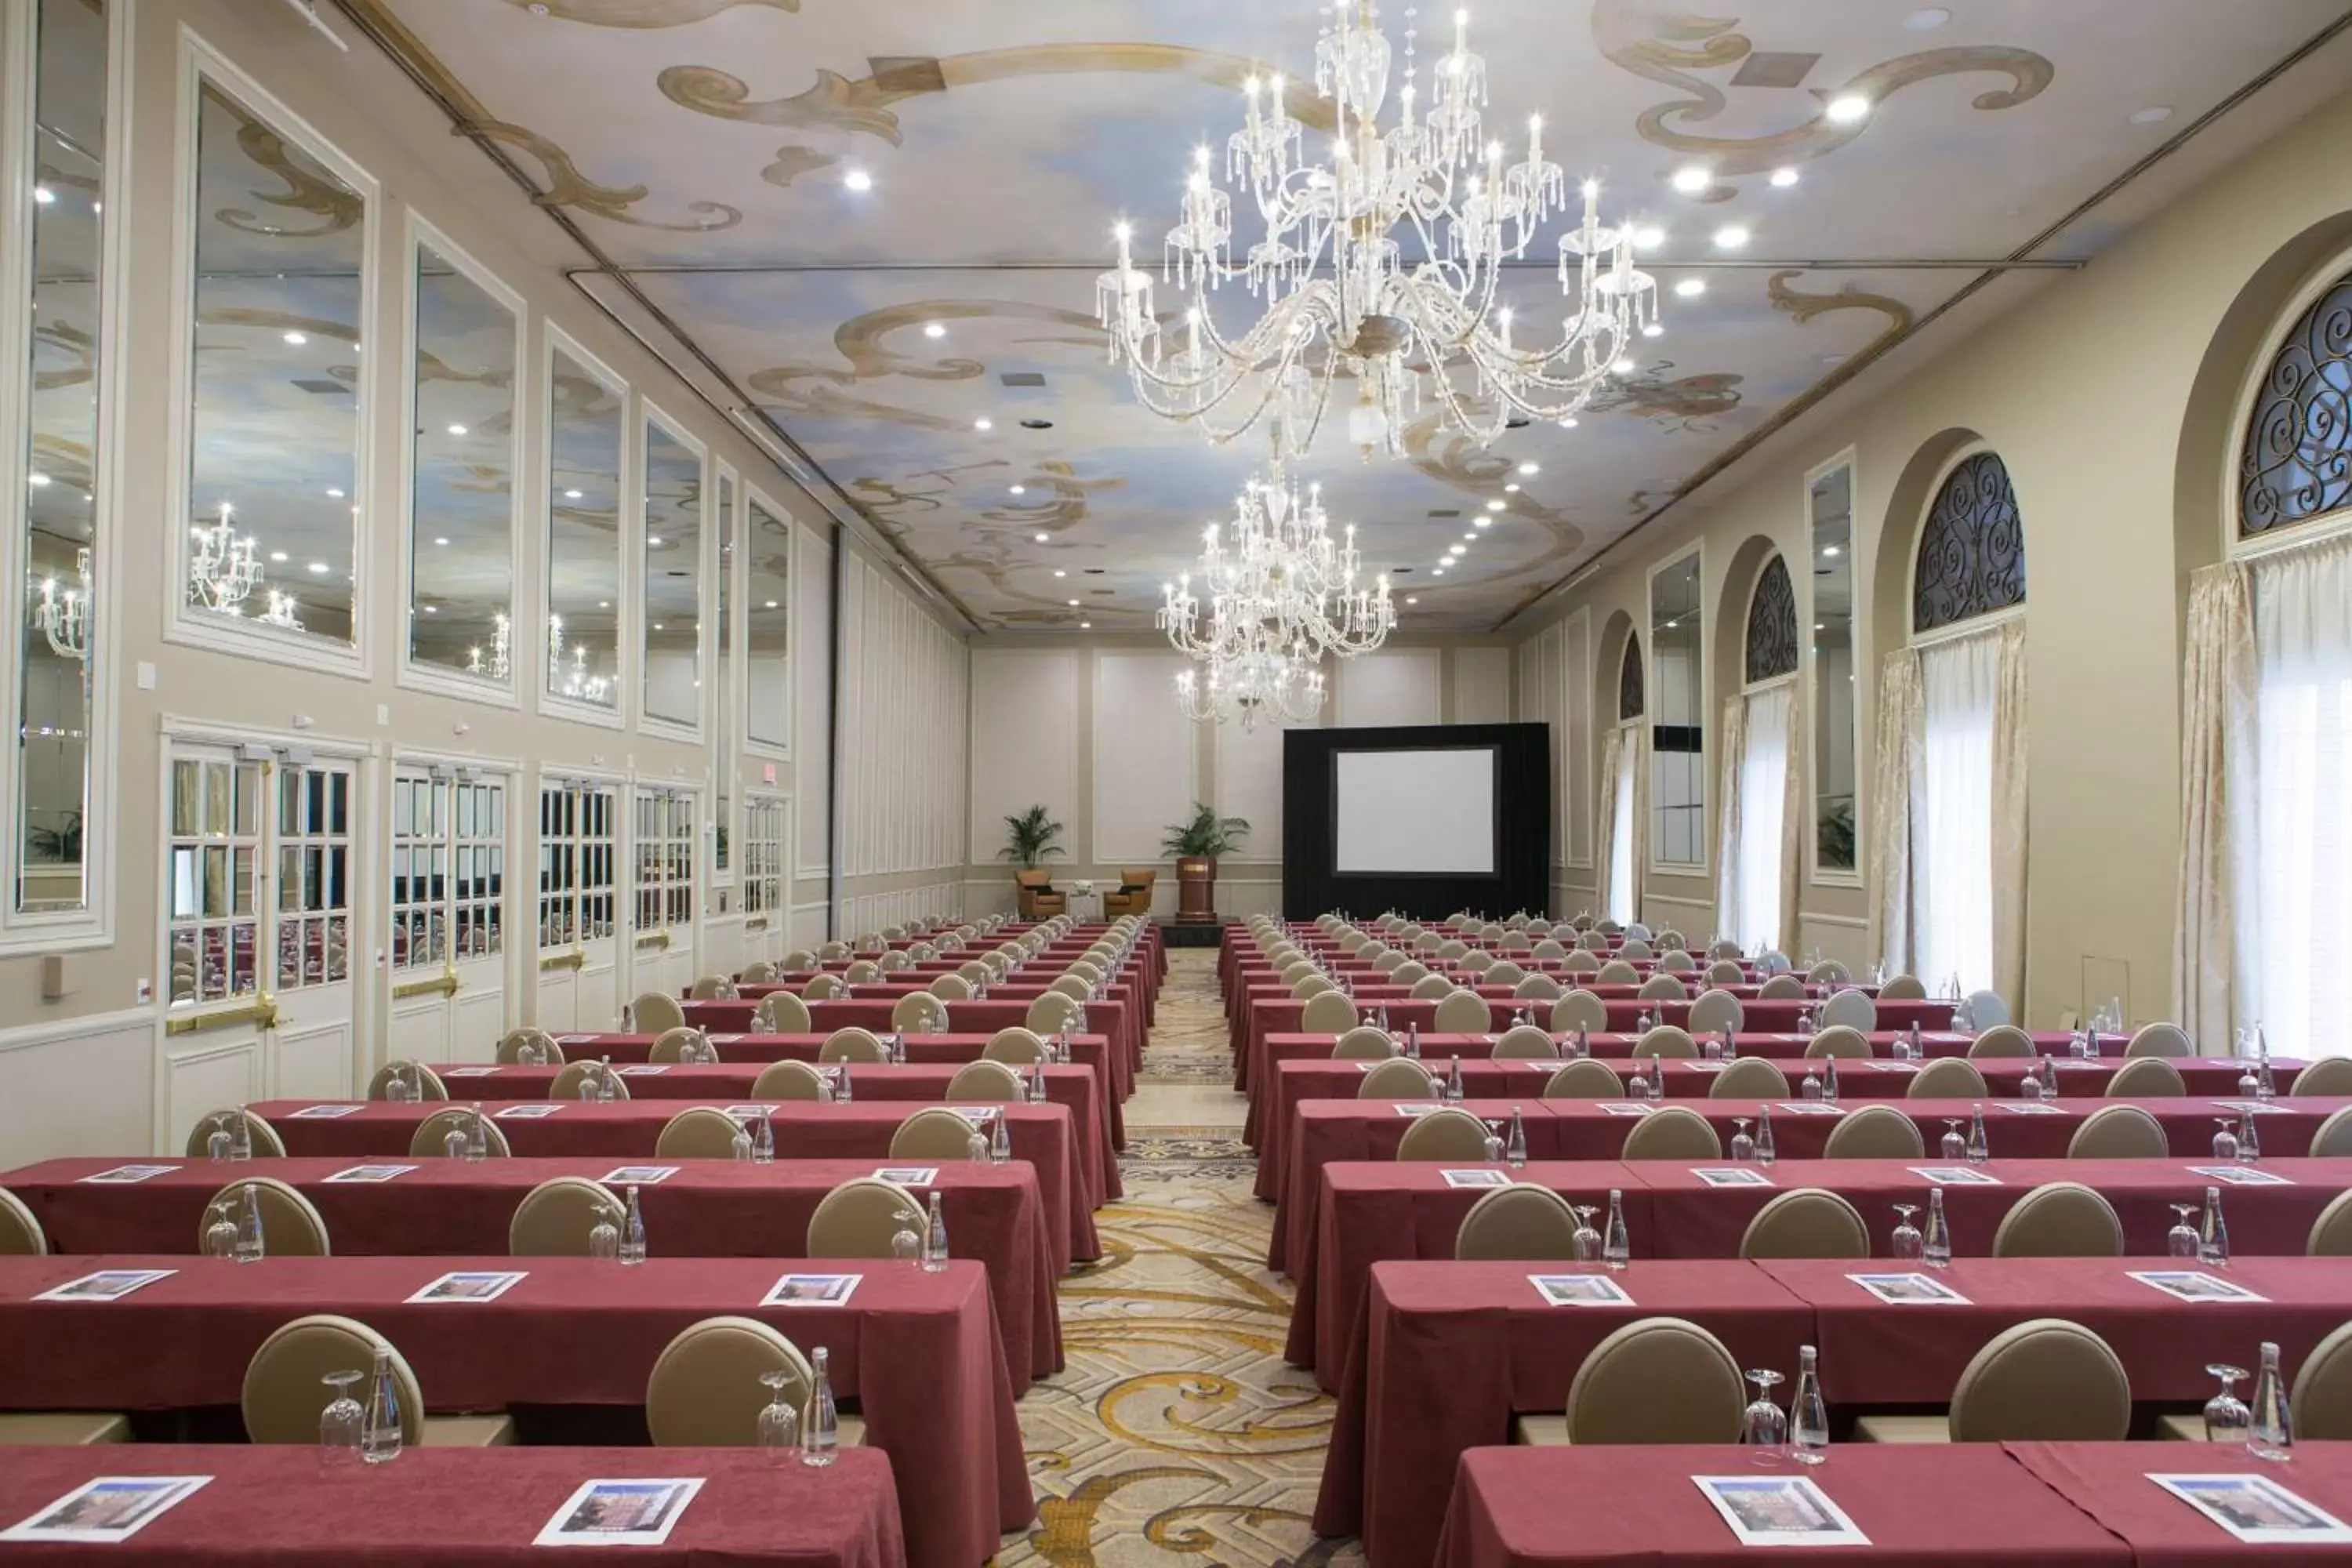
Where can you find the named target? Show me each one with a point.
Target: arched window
(1629, 681)
(1971, 548)
(1772, 623)
(2296, 461)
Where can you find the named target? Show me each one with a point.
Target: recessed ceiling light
(457, 429)
(1456, 548)
(653, 542)
(1672, 625)
(1060, 573)
(1730, 237)
(37, 480)
(1623, 366)
(659, 627)
(444, 541)
(297, 339)
(1020, 489)
(1493, 506)
(1482, 522)
(1833, 359)
(1568, 422)
(1926, 19)
(1085, 626)
(1044, 537)
(603, 604)
(1832, 550)
(1818, 625)
(1073, 603)
(770, 605)
(1691, 288)
(857, 180)
(1649, 237)
(1410, 600)
(432, 609)
(317, 566)
(1692, 178)
(1654, 329)
(1530, 470)
(1784, 177)
(1512, 488)
(571, 495)
(277, 556)
(983, 423)
(935, 329)
(1848, 108)
(1467, 536)
(2154, 115)
(44, 196)
(337, 494)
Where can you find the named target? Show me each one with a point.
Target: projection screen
(1414, 812)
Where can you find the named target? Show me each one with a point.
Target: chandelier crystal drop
(1381, 266)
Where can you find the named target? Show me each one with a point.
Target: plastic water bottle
(478, 1135)
(1000, 1141)
(821, 1434)
(1811, 1088)
(2249, 1145)
(1453, 1081)
(1584, 1042)
(1765, 1153)
(1809, 1413)
(250, 1240)
(2272, 1434)
(1936, 1246)
(632, 1230)
(1829, 1080)
(1515, 1141)
(2213, 1233)
(1979, 1151)
(1617, 1248)
(380, 1437)
(740, 1146)
(1412, 1040)
(763, 1142)
(240, 1136)
(935, 1235)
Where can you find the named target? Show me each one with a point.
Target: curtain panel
(2213, 982)
(1895, 745)
(2009, 818)
(1604, 857)
(1794, 824)
(1728, 822)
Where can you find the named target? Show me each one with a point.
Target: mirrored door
(449, 914)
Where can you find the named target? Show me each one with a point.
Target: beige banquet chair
(1782, 988)
(2160, 1041)
(861, 1217)
(2145, 1077)
(1431, 988)
(1947, 1077)
(1448, 1133)
(511, 1043)
(2044, 1380)
(1855, 1009)
(984, 1082)
(1077, 988)
(2322, 1395)
(919, 1013)
(1667, 1041)
(1750, 1078)
(1715, 1010)
(1875, 1132)
(697, 1133)
(571, 1075)
(2328, 1076)
(428, 1083)
(1329, 1013)
(1616, 971)
(1539, 988)
(890, 963)
(285, 1389)
(1517, 1223)
(266, 1143)
(1988, 1007)
(1677, 961)
(1505, 973)
(782, 1013)
(1307, 985)
(2118, 1132)
(20, 1230)
(1049, 1012)
(852, 1045)
(2001, 1040)
(1524, 1042)
(654, 1011)
(1478, 962)
(1840, 1040)
(1662, 988)
(1657, 1380)
(706, 1389)
(1675, 1133)
(431, 1138)
(950, 988)
(713, 988)
(934, 1133)
(1579, 962)
(1398, 1079)
(1013, 1045)
(290, 1226)
(2058, 1219)
(1903, 988)
(2332, 1141)
(1363, 1043)
(1580, 1009)
(1463, 1013)
(1584, 1079)
(1807, 1222)
(1731, 972)
(1411, 974)
(799, 961)
(2331, 1233)
(788, 1080)
(672, 1045)
(822, 988)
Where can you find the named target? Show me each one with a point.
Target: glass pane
(248, 802)
(584, 534)
(1830, 500)
(281, 249)
(216, 798)
(461, 528)
(768, 677)
(187, 799)
(1677, 724)
(673, 584)
(67, 200)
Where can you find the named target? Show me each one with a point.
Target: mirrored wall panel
(276, 411)
(1828, 500)
(1678, 752)
(68, 199)
(731, 531)
(461, 474)
(673, 577)
(586, 427)
(767, 615)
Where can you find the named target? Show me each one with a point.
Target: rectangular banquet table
(1024, 983)
(984, 1017)
(629, 1130)
(2108, 1482)
(919, 1351)
(1379, 1210)
(1322, 1130)
(709, 1208)
(272, 1504)
(1964, 1506)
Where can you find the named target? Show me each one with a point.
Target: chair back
(1431, 988)
(1329, 1013)
(1713, 1010)
(431, 1134)
(1750, 1078)
(860, 1218)
(1549, 948)
(1397, 1078)
(290, 1226)
(1875, 1132)
(1660, 1380)
(1902, 988)
(984, 1082)
(1580, 1009)
(782, 1013)
(919, 1013)
(798, 959)
(1517, 1223)
(704, 1391)
(1447, 1134)
(1363, 1043)
(1539, 988)
(852, 1045)
(2322, 1396)
(1665, 1040)
(20, 1230)
(1412, 973)
(2060, 1219)
(2119, 1133)
(1948, 1077)
(2332, 1141)
(672, 1045)
(1504, 973)
(1988, 1007)
(697, 1133)
(571, 1075)
(1636, 949)
(2043, 1381)
(285, 1389)
(1049, 1012)
(1664, 988)
(788, 1080)
(267, 1145)
(1463, 1013)
(1525, 1042)
(1580, 962)
(1808, 1222)
(1829, 972)
(654, 1011)
(1014, 1045)
(2160, 1041)
(823, 988)
(1678, 961)
(2328, 1075)
(1617, 971)
(950, 987)
(2144, 1077)
(1723, 949)
(894, 961)
(1782, 988)
(429, 1082)
(1840, 1040)
(554, 1218)
(2003, 1040)
(1674, 1133)
(932, 1134)
(1304, 986)
(511, 1043)
(1077, 988)
(1855, 1009)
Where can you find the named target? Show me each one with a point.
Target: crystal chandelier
(1282, 686)
(500, 661)
(283, 611)
(63, 616)
(1382, 266)
(224, 569)
(576, 681)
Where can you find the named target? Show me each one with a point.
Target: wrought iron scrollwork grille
(1972, 549)
(2297, 463)
(1772, 623)
(1629, 681)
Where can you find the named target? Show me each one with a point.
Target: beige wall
(95, 1069)
(2113, 396)
(1091, 730)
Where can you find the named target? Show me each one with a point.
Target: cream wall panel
(1143, 750)
(811, 591)
(73, 1088)
(1572, 777)
(198, 1078)
(1248, 772)
(1395, 686)
(1482, 685)
(1024, 739)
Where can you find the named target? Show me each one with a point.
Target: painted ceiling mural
(705, 146)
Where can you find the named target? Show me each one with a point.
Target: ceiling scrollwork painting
(882, 225)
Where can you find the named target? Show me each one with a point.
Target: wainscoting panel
(75, 1087)
(813, 697)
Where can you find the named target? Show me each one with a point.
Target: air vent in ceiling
(1515, 421)
(1445, 512)
(322, 386)
(1399, 570)
(1102, 592)
(1037, 424)
(1775, 67)
(1094, 570)
(899, 75)
(1023, 378)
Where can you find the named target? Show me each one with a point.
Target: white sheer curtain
(1624, 819)
(2300, 928)
(1952, 832)
(1753, 863)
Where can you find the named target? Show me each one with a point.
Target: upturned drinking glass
(220, 1231)
(1905, 1242)
(1764, 1425)
(343, 1425)
(2225, 1142)
(2227, 1418)
(1743, 1147)
(2181, 1240)
(604, 1241)
(1587, 1239)
(780, 1423)
(1955, 1142)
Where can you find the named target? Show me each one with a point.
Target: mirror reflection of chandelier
(224, 566)
(1382, 266)
(500, 660)
(576, 679)
(63, 614)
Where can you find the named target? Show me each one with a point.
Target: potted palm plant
(1196, 843)
(1030, 837)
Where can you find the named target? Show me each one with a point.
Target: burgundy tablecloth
(2108, 1482)
(1961, 1506)
(710, 1208)
(1132, 987)
(274, 1505)
(919, 1352)
(981, 1017)
(628, 1129)
(1377, 1211)
(1445, 1353)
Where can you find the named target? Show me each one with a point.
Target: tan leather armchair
(1133, 894)
(1040, 899)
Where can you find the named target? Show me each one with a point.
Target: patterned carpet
(1177, 1435)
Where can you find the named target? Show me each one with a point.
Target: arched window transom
(1629, 681)
(2297, 463)
(1772, 623)
(1972, 549)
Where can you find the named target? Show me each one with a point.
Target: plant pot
(1196, 888)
